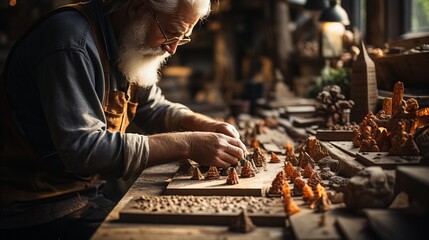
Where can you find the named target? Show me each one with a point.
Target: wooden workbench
(152, 182)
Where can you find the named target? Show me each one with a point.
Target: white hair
(139, 63)
(201, 7)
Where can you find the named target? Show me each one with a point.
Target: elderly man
(72, 84)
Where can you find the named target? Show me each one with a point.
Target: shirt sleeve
(71, 85)
(155, 114)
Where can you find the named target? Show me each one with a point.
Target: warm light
(334, 28)
(12, 3)
(332, 39)
(382, 129)
(289, 148)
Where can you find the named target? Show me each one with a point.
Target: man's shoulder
(68, 28)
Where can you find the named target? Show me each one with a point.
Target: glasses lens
(177, 40)
(184, 41)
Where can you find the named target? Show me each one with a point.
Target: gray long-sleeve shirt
(55, 86)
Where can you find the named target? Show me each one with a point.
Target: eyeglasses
(180, 40)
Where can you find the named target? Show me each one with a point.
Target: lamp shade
(335, 13)
(316, 4)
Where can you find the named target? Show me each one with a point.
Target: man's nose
(171, 47)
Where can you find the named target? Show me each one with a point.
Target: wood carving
(274, 158)
(212, 173)
(259, 158)
(242, 223)
(363, 89)
(370, 188)
(320, 202)
(308, 171)
(392, 133)
(197, 175)
(289, 169)
(232, 176)
(307, 193)
(247, 171)
(332, 106)
(278, 183)
(298, 186)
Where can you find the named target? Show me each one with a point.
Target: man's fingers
(229, 130)
(229, 159)
(222, 163)
(237, 147)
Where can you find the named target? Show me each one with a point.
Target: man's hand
(199, 122)
(223, 127)
(216, 149)
(210, 143)
(206, 148)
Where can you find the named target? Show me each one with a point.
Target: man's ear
(136, 9)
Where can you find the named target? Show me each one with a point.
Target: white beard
(138, 62)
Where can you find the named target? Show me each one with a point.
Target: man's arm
(198, 122)
(206, 148)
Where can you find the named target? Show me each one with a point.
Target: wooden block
(397, 224)
(311, 130)
(346, 146)
(272, 148)
(274, 137)
(306, 121)
(302, 111)
(294, 132)
(256, 186)
(386, 161)
(217, 210)
(348, 166)
(334, 135)
(306, 225)
(414, 180)
(354, 227)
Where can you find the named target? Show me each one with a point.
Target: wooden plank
(277, 137)
(306, 121)
(300, 110)
(397, 224)
(334, 135)
(414, 180)
(307, 225)
(208, 210)
(346, 146)
(256, 186)
(294, 132)
(273, 148)
(120, 231)
(354, 227)
(289, 101)
(386, 161)
(348, 166)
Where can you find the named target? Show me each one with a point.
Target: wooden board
(414, 180)
(311, 130)
(208, 210)
(384, 160)
(295, 133)
(274, 140)
(397, 224)
(348, 164)
(299, 111)
(256, 186)
(273, 148)
(306, 121)
(334, 135)
(306, 224)
(346, 146)
(354, 227)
